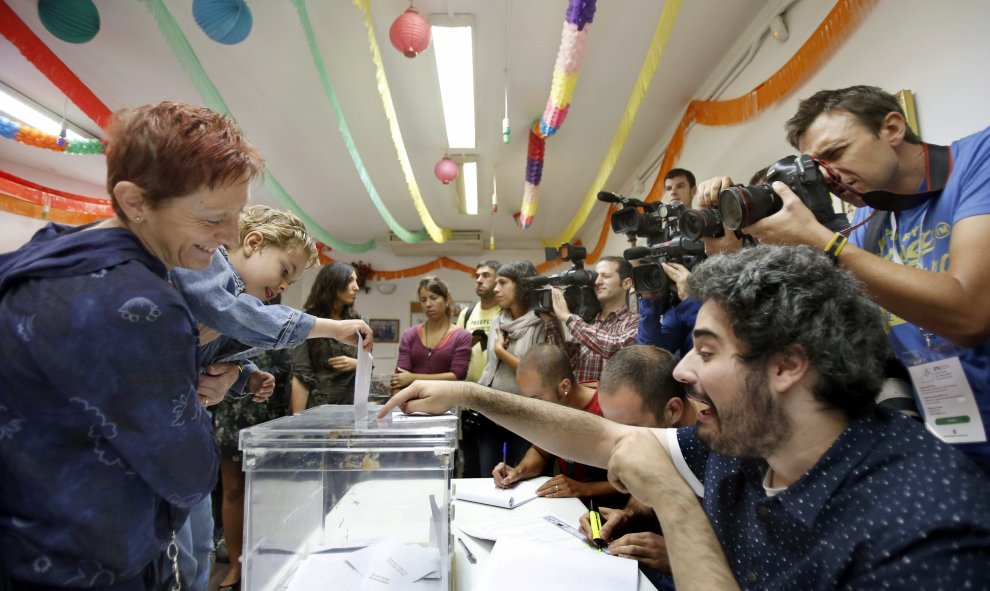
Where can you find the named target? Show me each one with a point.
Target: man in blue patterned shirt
(805, 482)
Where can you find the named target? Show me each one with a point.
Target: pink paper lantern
(446, 170)
(410, 33)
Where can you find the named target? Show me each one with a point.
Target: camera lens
(626, 220)
(696, 223)
(742, 206)
(650, 278)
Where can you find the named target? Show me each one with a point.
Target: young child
(228, 297)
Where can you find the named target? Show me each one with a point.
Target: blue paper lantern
(224, 21)
(72, 21)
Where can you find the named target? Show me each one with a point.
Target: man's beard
(753, 426)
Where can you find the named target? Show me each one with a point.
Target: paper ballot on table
(544, 528)
(507, 498)
(362, 383)
(388, 564)
(572, 568)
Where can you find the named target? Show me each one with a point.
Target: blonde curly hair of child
(279, 228)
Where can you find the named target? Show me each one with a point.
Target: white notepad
(507, 498)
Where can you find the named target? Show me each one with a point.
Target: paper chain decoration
(573, 40)
(30, 136)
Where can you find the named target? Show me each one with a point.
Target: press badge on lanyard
(946, 398)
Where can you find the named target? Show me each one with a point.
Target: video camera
(578, 284)
(657, 222)
(648, 275)
(741, 206)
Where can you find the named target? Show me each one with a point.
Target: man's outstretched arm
(575, 434)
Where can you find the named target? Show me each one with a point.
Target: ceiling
(273, 89)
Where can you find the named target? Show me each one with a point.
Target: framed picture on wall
(416, 314)
(385, 330)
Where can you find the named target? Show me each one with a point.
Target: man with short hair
(792, 457)
(921, 256)
(477, 318)
(544, 373)
(614, 327)
(680, 186)
(638, 388)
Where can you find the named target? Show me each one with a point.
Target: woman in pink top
(436, 349)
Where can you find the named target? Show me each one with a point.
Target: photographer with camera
(614, 327)
(920, 255)
(668, 326)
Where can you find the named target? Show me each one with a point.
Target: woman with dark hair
(435, 349)
(324, 368)
(512, 333)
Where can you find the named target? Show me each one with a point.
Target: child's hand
(346, 332)
(261, 385)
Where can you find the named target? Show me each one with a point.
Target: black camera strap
(938, 167)
(745, 238)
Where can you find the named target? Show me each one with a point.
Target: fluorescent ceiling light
(470, 172)
(19, 109)
(453, 47)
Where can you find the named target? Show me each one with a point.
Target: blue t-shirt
(887, 506)
(922, 240)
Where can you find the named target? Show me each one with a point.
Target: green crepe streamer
(345, 132)
(179, 44)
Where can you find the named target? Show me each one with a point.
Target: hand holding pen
(596, 527)
(504, 475)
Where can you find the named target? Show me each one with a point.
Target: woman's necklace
(426, 338)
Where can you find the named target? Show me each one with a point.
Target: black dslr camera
(648, 275)
(657, 222)
(742, 206)
(578, 284)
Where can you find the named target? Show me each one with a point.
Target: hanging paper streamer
(345, 132)
(208, 92)
(840, 22)
(573, 40)
(45, 198)
(654, 55)
(30, 136)
(36, 52)
(438, 234)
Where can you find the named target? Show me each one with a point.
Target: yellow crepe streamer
(660, 37)
(437, 233)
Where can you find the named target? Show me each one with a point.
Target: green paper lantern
(72, 21)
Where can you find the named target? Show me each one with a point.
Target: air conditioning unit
(461, 242)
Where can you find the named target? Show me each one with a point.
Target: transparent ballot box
(335, 503)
